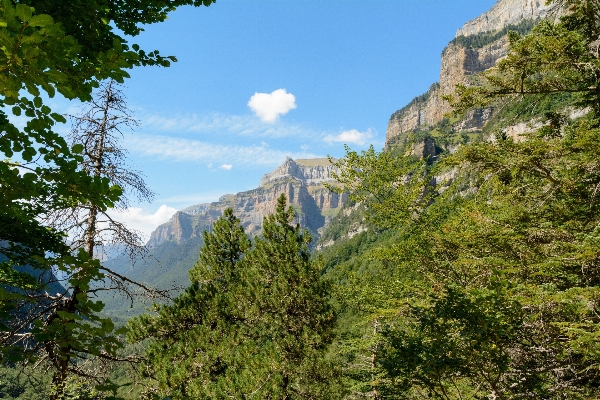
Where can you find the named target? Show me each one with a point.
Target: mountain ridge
(302, 182)
(460, 63)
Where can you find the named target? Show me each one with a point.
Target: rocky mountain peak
(309, 171)
(302, 182)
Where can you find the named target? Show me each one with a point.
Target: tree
(292, 319)
(508, 258)
(96, 136)
(67, 47)
(255, 322)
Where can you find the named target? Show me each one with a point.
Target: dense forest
(477, 276)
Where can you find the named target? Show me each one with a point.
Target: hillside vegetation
(473, 273)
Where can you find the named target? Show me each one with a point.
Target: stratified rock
(459, 65)
(503, 13)
(308, 171)
(302, 182)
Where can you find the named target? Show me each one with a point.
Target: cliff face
(308, 171)
(505, 12)
(302, 181)
(458, 65)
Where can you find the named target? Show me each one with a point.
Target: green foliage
(64, 47)
(552, 58)
(363, 173)
(490, 289)
(483, 39)
(256, 320)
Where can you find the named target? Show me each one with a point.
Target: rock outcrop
(302, 181)
(460, 64)
(309, 171)
(503, 13)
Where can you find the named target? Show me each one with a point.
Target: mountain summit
(302, 181)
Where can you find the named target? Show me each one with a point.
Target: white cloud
(177, 149)
(137, 219)
(269, 106)
(351, 136)
(226, 167)
(223, 124)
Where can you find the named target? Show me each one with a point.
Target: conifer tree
(294, 320)
(254, 324)
(190, 355)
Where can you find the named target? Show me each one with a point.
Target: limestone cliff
(308, 171)
(459, 64)
(302, 181)
(503, 13)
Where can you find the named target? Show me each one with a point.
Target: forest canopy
(477, 276)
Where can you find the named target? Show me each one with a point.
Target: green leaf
(41, 20)
(23, 12)
(16, 110)
(58, 118)
(3, 24)
(77, 149)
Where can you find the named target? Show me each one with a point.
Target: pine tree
(293, 319)
(193, 337)
(255, 323)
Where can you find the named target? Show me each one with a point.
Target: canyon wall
(302, 182)
(503, 13)
(459, 64)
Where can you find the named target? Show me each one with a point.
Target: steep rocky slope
(459, 63)
(302, 181)
(505, 12)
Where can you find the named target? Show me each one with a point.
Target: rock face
(309, 171)
(422, 111)
(302, 181)
(505, 12)
(459, 65)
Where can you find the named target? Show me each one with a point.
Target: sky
(257, 81)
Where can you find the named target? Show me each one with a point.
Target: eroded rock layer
(459, 64)
(302, 182)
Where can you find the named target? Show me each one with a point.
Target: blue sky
(259, 80)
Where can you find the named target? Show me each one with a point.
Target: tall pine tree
(254, 324)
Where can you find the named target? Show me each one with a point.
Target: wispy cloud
(269, 106)
(351, 137)
(244, 125)
(226, 167)
(177, 149)
(194, 198)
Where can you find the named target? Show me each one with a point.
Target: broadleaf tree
(65, 47)
(507, 263)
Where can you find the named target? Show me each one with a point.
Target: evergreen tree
(292, 321)
(190, 355)
(254, 324)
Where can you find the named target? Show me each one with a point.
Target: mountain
(503, 13)
(340, 235)
(174, 246)
(478, 45)
(303, 183)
